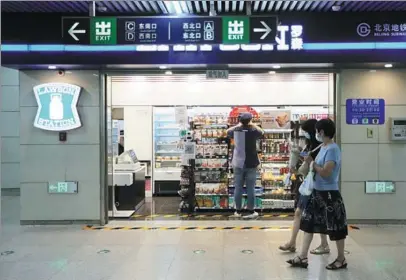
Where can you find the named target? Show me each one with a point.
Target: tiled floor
(68, 252)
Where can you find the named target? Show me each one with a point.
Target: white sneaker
(252, 216)
(236, 215)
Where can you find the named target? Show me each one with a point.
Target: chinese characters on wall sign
(365, 111)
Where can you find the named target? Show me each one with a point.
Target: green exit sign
(380, 187)
(62, 187)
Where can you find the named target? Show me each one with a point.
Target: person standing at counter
(245, 162)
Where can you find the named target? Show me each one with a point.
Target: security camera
(61, 73)
(336, 8)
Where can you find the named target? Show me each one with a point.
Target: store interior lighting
(276, 67)
(52, 67)
(163, 67)
(168, 72)
(272, 72)
(388, 65)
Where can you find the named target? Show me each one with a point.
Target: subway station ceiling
(201, 7)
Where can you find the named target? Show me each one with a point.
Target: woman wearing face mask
(310, 146)
(325, 211)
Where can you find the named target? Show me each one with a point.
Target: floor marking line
(187, 228)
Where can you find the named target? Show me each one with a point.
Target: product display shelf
(211, 162)
(167, 138)
(274, 155)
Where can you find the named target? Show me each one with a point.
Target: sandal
(336, 265)
(287, 248)
(320, 251)
(298, 262)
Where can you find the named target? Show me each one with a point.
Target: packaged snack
(210, 150)
(204, 163)
(217, 150)
(223, 202)
(200, 150)
(223, 150)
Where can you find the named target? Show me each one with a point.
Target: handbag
(306, 188)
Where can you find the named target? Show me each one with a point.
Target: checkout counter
(127, 194)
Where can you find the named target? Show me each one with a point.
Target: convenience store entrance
(151, 115)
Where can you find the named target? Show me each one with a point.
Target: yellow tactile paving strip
(198, 228)
(195, 228)
(225, 216)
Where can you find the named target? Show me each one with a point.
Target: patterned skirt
(325, 214)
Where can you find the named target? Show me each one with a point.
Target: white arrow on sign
(72, 31)
(266, 30)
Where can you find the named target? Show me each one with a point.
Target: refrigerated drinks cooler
(167, 155)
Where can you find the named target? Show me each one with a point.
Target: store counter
(127, 194)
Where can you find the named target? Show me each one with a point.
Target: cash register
(127, 185)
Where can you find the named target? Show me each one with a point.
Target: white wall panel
(138, 130)
(238, 90)
(375, 158)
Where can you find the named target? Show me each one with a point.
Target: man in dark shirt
(245, 161)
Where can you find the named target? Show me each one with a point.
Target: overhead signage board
(236, 30)
(169, 30)
(57, 106)
(103, 31)
(365, 111)
(76, 31)
(263, 29)
(198, 30)
(142, 31)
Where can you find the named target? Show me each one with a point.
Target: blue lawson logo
(57, 106)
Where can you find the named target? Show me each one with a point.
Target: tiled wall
(10, 128)
(375, 158)
(44, 158)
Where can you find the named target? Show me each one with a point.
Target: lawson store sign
(57, 106)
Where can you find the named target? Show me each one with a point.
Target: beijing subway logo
(57, 106)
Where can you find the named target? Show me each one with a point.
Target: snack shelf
(274, 167)
(211, 161)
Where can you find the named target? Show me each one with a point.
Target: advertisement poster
(275, 119)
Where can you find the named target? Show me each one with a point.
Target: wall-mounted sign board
(57, 106)
(367, 111)
(63, 187)
(380, 187)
